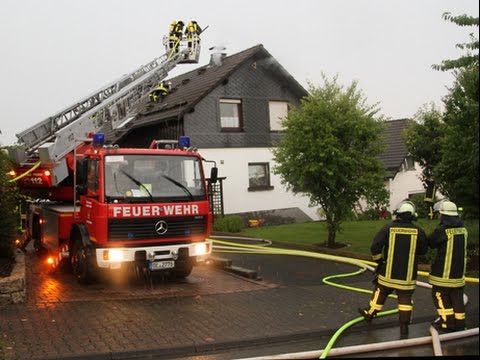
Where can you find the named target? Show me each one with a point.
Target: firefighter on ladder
(160, 91)
(192, 30)
(175, 35)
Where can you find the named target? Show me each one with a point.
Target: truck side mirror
(213, 175)
(81, 176)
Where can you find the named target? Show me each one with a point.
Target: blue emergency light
(184, 141)
(98, 139)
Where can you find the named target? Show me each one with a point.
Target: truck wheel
(79, 261)
(183, 268)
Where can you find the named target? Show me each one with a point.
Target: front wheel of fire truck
(80, 264)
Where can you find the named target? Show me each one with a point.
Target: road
(210, 315)
(303, 271)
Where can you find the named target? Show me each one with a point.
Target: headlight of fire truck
(113, 255)
(200, 249)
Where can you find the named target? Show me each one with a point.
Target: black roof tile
(189, 88)
(396, 150)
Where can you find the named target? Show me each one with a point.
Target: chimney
(216, 58)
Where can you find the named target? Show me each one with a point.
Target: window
(259, 177)
(278, 111)
(92, 176)
(231, 115)
(161, 177)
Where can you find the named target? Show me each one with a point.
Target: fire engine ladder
(109, 104)
(53, 138)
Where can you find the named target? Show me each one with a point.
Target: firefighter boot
(364, 312)
(403, 331)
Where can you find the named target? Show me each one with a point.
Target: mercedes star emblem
(161, 227)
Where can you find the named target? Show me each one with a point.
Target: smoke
(217, 55)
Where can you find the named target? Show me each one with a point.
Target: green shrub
(229, 223)
(9, 217)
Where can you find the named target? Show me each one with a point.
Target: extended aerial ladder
(52, 139)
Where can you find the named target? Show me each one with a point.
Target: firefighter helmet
(406, 207)
(448, 208)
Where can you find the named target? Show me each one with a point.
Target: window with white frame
(278, 111)
(231, 115)
(259, 176)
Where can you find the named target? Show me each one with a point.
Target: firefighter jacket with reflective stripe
(193, 28)
(450, 240)
(399, 244)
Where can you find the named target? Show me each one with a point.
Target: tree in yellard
(458, 173)
(330, 152)
(423, 139)
(447, 144)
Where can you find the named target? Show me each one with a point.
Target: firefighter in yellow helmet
(160, 91)
(396, 248)
(192, 30)
(447, 276)
(175, 34)
(172, 37)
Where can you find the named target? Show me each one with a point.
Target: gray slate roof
(189, 88)
(396, 151)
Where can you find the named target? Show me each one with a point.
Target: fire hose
(228, 246)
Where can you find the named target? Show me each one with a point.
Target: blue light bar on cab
(184, 141)
(98, 139)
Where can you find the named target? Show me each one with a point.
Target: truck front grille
(156, 228)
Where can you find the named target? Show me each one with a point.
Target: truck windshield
(153, 178)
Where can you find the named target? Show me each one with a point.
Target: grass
(357, 234)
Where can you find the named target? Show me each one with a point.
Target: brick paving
(210, 310)
(45, 288)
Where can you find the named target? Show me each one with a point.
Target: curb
(226, 265)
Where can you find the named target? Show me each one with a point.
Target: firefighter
(172, 38)
(159, 91)
(447, 276)
(191, 30)
(396, 248)
(175, 35)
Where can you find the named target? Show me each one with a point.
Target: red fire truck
(100, 206)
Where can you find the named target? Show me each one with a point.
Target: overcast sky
(55, 52)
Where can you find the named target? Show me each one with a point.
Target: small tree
(330, 151)
(8, 212)
(423, 139)
(447, 145)
(458, 171)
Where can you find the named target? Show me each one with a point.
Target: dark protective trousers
(450, 307)
(405, 306)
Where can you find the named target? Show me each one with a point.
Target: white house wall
(404, 184)
(232, 163)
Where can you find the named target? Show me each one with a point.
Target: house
(231, 110)
(403, 174)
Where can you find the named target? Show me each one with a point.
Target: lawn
(357, 235)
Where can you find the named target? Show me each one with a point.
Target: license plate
(161, 265)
